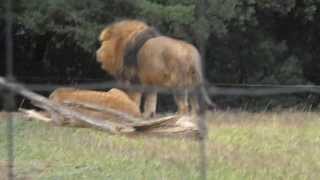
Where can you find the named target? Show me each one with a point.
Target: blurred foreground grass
(241, 145)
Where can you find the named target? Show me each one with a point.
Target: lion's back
(169, 62)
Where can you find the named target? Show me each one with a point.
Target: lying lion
(134, 52)
(114, 99)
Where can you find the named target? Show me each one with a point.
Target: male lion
(132, 51)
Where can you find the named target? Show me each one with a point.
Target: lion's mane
(121, 42)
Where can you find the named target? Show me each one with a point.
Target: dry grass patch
(241, 145)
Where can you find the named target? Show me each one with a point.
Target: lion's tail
(196, 81)
(204, 97)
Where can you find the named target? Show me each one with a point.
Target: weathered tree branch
(36, 115)
(91, 115)
(128, 118)
(138, 124)
(63, 110)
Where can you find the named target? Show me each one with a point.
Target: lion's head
(114, 40)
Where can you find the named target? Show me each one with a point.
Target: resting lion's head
(114, 40)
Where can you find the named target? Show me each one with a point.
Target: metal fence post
(9, 96)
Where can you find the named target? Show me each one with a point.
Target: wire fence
(213, 90)
(232, 90)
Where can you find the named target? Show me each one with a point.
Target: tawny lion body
(114, 99)
(132, 51)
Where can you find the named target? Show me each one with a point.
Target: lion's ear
(104, 35)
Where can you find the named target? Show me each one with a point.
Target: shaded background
(247, 42)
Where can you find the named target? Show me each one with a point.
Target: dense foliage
(247, 41)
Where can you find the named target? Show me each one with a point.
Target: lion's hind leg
(150, 105)
(194, 102)
(181, 99)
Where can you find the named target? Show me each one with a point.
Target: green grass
(241, 145)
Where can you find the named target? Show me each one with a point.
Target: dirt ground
(4, 172)
(5, 115)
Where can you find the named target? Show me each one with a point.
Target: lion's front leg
(134, 95)
(150, 105)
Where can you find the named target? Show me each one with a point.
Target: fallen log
(51, 106)
(85, 108)
(33, 114)
(172, 124)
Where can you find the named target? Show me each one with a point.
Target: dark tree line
(247, 41)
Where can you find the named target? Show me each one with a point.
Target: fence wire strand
(212, 89)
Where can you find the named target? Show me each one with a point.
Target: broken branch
(65, 111)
